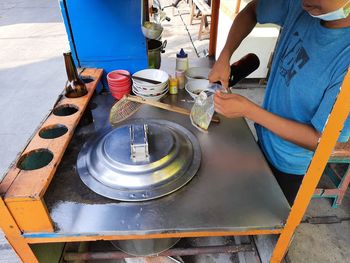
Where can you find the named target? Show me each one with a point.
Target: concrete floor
(32, 75)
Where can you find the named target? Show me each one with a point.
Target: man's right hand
(220, 72)
(241, 27)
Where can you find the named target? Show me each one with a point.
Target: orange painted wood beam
(14, 235)
(324, 150)
(23, 190)
(215, 7)
(81, 238)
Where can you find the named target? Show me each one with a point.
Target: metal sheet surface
(234, 189)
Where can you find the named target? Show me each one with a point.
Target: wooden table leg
(14, 236)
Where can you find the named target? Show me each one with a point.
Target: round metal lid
(140, 160)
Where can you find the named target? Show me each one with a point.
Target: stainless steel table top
(234, 189)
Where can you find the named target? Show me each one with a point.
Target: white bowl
(196, 86)
(154, 74)
(154, 88)
(148, 92)
(197, 73)
(155, 98)
(154, 32)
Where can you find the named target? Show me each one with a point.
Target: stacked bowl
(119, 85)
(150, 91)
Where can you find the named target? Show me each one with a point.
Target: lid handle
(139, 143)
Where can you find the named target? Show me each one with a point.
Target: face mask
(335, 15)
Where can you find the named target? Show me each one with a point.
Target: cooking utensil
(152, 30)
(154, 50)
(142, 79)
(129, 105)
(139, 160)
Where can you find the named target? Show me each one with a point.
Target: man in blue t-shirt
(310, 62)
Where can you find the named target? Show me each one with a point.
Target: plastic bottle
(243, 68)
(173, 89)
(180, 75)
(181, 61)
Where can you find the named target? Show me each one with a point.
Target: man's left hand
(231, 105)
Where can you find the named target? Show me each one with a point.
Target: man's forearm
(301, 134)
(241, 27)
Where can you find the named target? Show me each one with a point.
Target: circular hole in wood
(92, 105)
(35, 159)
(75, 93)
(65, 110)
(87, 79)
(53, 131)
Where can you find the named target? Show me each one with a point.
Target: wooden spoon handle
(164, 106)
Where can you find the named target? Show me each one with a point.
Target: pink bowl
(119, 88)
(121, 92)
(126, 84)
(117, 82)
(119, 95)
(114, 76)
(126, 91)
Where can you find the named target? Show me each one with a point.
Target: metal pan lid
(139, 160)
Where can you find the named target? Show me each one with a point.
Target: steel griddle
(234, 189)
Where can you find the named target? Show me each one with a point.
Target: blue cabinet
(106, 33)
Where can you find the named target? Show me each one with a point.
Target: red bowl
(117, 85)
(119, 95)
(119, 82)
(121, 92)
(118, 89)
(114, 76)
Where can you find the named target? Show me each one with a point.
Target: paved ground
(32, 74)
(32, 40)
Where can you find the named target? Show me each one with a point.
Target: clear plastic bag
(203, 108)
(202, 111)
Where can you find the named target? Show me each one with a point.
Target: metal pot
(145, 247)
(155, 47)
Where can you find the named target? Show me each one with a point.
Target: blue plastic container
(106, 34)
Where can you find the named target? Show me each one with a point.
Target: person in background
(311, 59)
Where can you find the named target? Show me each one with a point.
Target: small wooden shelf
(23, 190)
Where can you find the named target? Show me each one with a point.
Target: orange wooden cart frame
(23, 209)
(341, 109)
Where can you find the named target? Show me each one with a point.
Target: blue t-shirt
(309, 67)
